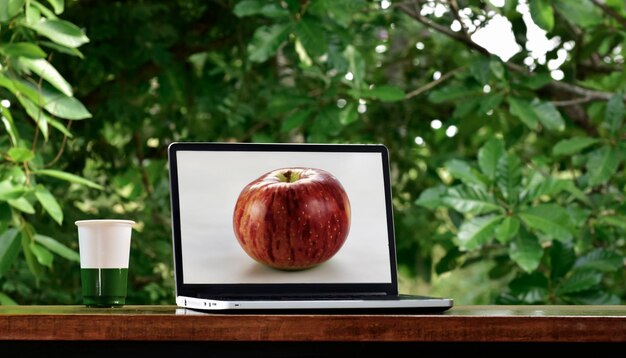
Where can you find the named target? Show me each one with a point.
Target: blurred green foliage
(508, 170)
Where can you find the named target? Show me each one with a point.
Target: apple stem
(288, 176)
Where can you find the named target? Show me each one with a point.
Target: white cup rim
(103, 221)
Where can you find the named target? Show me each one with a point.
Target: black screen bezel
(212, 290)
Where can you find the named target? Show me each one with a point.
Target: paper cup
(104, 247)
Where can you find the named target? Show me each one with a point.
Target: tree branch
(593, 95)
(455, 11)
(60, 152)
(609, 11)
(571, 102)
(432, 84)
(594, 67)
(415, 14)
(142, 169)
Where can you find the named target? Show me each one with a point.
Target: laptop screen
(281, 214)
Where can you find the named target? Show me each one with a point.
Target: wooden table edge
(466, 324)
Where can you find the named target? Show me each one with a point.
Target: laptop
(285, 227)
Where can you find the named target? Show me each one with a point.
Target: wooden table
(166, 329)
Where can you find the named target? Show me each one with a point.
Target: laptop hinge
(296, 294)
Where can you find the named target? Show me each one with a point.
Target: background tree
(507, 160)
(37, 108)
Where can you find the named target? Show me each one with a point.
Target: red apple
(292, 218)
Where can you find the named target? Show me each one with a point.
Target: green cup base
(104, 302)
(104, 287)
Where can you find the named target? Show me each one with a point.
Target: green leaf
(526, 251)
(49, 203)
(451, 260)
(6, 216)
(60, 127)
(581, 13)
(68, 177)
(530, 288)
(254, 7)
(356, 65)
(551, 219)
(19, 154)
(470, 200)
(44, 69)
(4, 299)
(22, 49)
(31, 261)
(614, 114)
(22, 204)
(503, 266)
(305, 59)
(348, 115)
(60, 31)
(66, 107)
(602, 165)
(43, 255)
(23, 89)
(490, 102)
(542, 14)
(343, 11)
(283, 103)
(57, 5)
(578, 194)
(326, 124)
(62, 49)
(312, 36)
(266, 41)
(10, 8)
(496, 67)
(57, 247)
(295, 120)
(547, 187)
(523, 110)
(509, 177)
(536, 81)
(579, 281)
(33, 13)
(489, 155)
(247, 8)
(579, 217)
(42, 10)
(476, 231)
(453, 93)
(601, 260)
(9, 125)
(541, 187)
(40, 118)
(594, 297)
(479, 69)
(461, 170)
(549, 116)
(384, 93)
(464, 108)
(612, 220)
(431, 198)
(562, 259)
(9, 250)
(9, 190)
(573, 145)
(507, 230)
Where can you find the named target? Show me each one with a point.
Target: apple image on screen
(292, 218)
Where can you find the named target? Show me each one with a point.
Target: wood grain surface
(459, 324)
